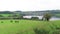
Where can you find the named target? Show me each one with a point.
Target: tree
(47, 16)
(35, 18)
(1, 17)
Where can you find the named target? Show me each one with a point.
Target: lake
(40, 17)
(54, 18)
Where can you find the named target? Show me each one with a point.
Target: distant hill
(6, 12)
(49, 11)
(33, 13)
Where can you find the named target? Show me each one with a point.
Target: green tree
(1, 17)
(47, 16)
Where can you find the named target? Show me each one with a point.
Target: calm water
(40, 17)
(54, 18)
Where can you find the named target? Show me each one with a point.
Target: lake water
(54, 18)
(40, 17)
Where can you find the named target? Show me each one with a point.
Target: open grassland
(27, 26)
(5, 15)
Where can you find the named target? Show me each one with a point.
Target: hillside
(31, 13)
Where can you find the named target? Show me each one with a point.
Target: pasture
(27, 26)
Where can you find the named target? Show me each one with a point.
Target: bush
(56, 32)
(35, 18)
(16, 21)
(11, 21)
(1, 21)
(40, 31)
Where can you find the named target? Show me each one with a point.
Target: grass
(6, 15)
(27, 26)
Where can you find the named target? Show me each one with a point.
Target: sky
(29, 5)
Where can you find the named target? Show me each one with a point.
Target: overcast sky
(29, 5)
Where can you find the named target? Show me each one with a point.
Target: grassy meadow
(28, 26)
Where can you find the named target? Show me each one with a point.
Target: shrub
(11, 21)
(16, 21)
(56, 32)
(40, 31)
(1, 21)
(35, 18)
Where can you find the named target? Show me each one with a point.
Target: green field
(6, 15)
(27, 26)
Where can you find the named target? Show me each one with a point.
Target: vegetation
(29, 27)
(35, 18)
(47, 16)
(24, 26)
